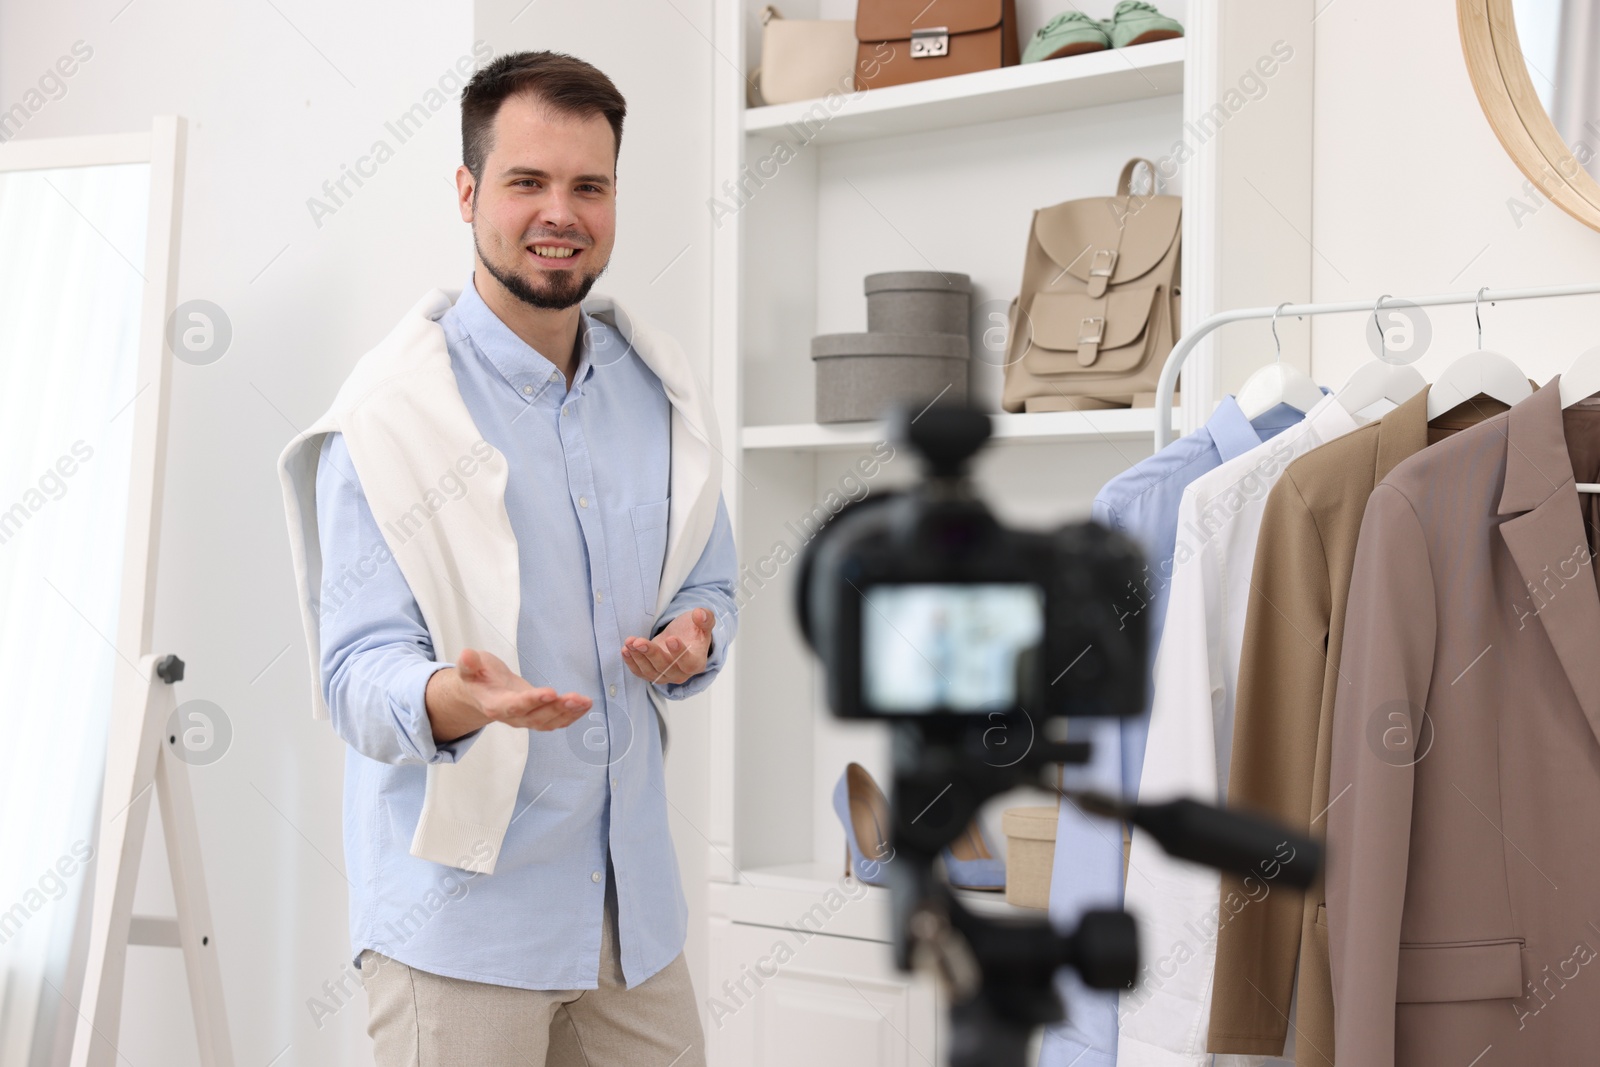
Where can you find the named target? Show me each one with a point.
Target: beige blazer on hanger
(1464, 826)
(1283, 720)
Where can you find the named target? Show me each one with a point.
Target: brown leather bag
(948, 37)
(1098, 310)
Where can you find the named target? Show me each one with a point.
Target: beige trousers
(420, 1019)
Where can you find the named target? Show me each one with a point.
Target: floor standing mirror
(89, 232)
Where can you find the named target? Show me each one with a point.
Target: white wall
(1411, 192)
(279, 96)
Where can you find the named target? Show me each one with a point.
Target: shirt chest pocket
(650, 542)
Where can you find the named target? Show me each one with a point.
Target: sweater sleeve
(1276, 716)
(376, 655)
(1385, 674)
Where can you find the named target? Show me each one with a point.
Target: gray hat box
(915, 347)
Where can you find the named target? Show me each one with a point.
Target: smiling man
(512, 546)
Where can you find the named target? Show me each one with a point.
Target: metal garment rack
(1167, 386)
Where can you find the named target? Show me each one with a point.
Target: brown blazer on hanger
(1283, 722)
(1464, 828)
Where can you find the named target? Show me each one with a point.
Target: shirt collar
(1230, 431)
(1234, 435)
(522, 365)
(1328, 418)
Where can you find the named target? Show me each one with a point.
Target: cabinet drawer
(786, 998)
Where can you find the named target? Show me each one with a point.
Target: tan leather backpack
(1098, 310)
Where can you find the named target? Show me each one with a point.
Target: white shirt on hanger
(1177, 905)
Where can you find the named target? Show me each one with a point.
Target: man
(594, 483)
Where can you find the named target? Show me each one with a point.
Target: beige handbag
(1098, 310)
(802, 59)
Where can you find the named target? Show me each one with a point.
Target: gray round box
(861, 374)
(917, 301)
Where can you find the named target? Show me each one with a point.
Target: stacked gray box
(915, 347)
(917, 301)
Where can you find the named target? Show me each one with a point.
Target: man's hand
(678, 653)
(481, 689)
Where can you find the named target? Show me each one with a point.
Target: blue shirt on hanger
(1141, 502)
(587, 498)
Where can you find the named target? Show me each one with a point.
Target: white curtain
(72, 244)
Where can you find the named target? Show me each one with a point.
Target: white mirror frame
(119, 840)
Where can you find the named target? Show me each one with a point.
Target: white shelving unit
(1052, 427)
(1089, 80)
(938, 175)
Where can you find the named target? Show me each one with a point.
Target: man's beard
(566, 287)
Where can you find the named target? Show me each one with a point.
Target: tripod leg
(980, 1038)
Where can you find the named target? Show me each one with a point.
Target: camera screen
(947, 646)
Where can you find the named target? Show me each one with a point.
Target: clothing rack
(1168, 383)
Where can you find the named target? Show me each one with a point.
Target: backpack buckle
(1091, 331)
(1101, 264)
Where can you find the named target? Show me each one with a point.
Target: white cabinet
(796, 999)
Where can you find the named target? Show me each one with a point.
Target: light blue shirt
(587, 497)
(1141, 502)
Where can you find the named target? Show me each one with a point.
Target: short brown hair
(565, 84)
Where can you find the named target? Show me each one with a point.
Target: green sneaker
(1136, 22)
(1067, 34)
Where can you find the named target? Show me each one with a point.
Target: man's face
(549, 184)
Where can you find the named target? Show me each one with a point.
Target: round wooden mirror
(1536, 67)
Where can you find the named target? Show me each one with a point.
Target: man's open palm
(679, 651)
(505, 696)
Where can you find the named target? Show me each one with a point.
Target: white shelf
(1089, 80)
(1045, 427)
(779, 896)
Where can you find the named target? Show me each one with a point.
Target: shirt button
(563, 409)
(583, 501)
(597, 597)
(613, 783)
(554, 375)
(595, 877)
(526, 389)
(613, 690)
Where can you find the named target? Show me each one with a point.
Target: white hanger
(1580, 382)
(1582, 379)
(1477, 372)
(1277, 383)
(1380, 379)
